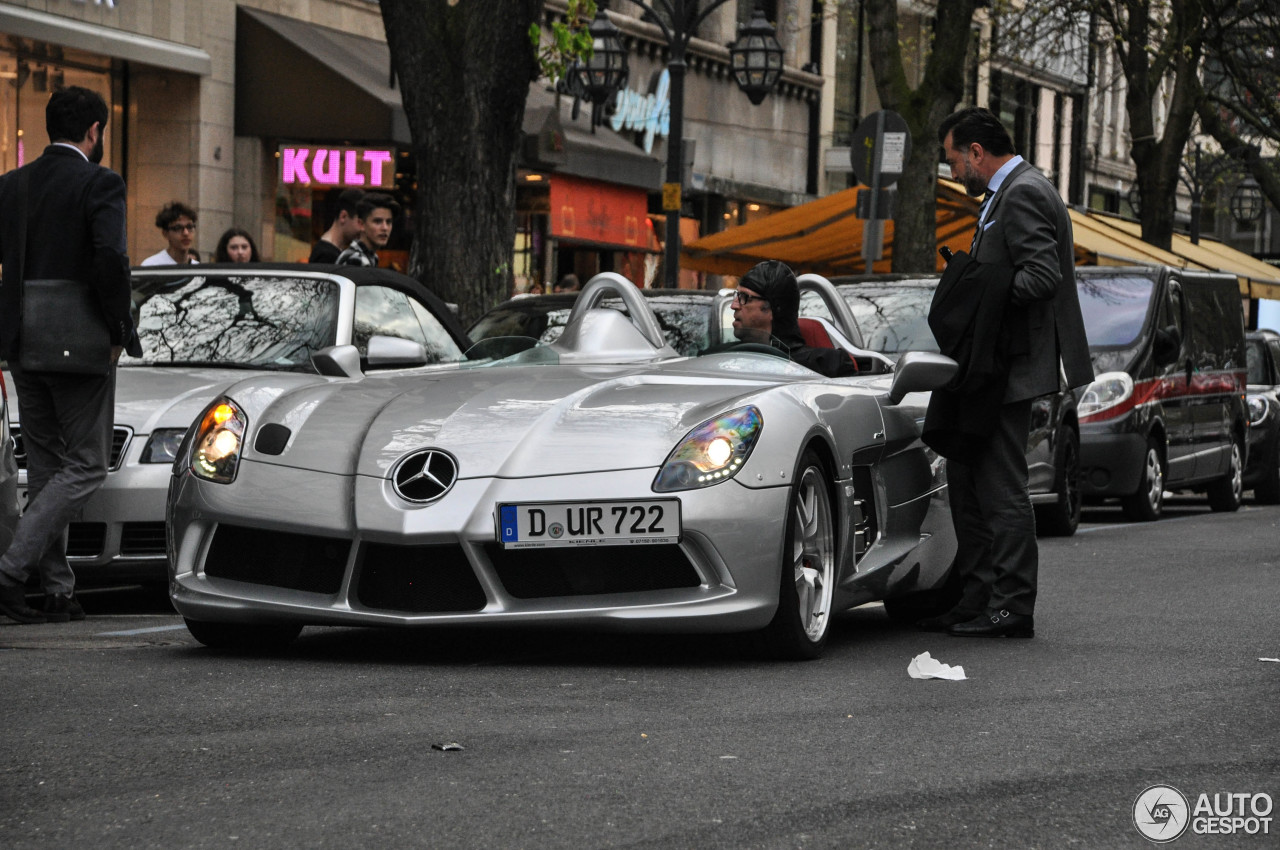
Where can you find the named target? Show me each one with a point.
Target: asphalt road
(121, 732)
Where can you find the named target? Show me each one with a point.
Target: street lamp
(599, 78)
(757, 65)
(1246, 202)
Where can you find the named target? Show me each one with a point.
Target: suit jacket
(76, 231)
(1028, 229)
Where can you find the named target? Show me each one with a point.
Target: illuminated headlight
(162, 447)
(711, 453)
(216, 451)
(1258, 408)
(1107, 391)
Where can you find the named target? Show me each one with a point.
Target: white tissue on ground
(925, 666)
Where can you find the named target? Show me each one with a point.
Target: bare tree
(1187, 65)
(923, 106)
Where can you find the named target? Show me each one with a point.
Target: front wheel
(1227, 492)
(799, 628)
(243, 637)
(1061, 518)
(1267, 490)
(1147, 503)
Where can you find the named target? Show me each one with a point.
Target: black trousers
(996, 554)
(66, 429)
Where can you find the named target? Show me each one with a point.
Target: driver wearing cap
(766, 310)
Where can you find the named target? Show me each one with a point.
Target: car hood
(151, 397)
(505, 422)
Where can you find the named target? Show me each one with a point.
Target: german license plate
(537, 525)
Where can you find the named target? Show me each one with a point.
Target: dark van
(1166, 410)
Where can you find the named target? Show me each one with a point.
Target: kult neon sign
(366, 167)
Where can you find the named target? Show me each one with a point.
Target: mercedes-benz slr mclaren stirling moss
(601, 481)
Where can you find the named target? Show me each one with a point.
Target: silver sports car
(203, 329)
(603, 480)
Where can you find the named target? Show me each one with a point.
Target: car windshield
(1114, 307)
(234, 322)
(685, 320)
(893, 318)
(1255, 353)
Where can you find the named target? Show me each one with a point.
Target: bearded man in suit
(75, 232)
(1024, 230)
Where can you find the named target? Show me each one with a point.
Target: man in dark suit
(1023, 229)
(75, 230)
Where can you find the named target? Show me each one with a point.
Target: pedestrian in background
(1024, 248)
(177, 222)
(236, 246)
(376, 213)
(344, 228)
(568, 283)
(75, 223)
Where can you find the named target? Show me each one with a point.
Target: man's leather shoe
(13, 604)
(942, 622)
(996, 624)
(62, 608)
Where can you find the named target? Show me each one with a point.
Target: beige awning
(1257, 279)
(105, 41)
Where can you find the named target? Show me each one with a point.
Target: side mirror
(1167, 345)
(337, 361)
(387, 352)
(921, 371)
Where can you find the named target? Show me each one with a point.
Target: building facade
(257, 113)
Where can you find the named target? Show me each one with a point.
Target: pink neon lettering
(376, 160)
(329, 176)
(295, 165)
(350, 176)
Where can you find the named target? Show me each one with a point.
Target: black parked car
(1166, 410)
(1262, 472)
(891, 312)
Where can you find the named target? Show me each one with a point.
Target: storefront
(149, 81)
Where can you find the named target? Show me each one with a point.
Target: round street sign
(880, 148)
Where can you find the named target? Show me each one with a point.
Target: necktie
(982, 217)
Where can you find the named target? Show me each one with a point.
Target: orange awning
(822, 236)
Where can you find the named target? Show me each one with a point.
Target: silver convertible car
(204, 328)
(603, 481)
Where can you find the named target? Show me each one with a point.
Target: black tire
(1147, 503)
(1267, 490)
(808, 571)
(1061, 518)
(243, 637)
(1226, 494)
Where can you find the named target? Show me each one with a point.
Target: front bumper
(392, 564)
(1111, 460)
(119, 536)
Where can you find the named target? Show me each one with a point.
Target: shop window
(30, 71)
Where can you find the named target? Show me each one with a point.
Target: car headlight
(1258, 409)
(1107, 393)
(711, 453)
(162, 446)
(215, 455)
